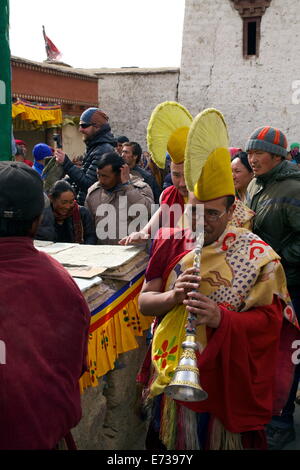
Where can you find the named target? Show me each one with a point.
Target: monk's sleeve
(237, 367)
(166, 249)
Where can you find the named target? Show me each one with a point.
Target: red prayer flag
(52, 52)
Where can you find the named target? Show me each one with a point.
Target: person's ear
(231, 211)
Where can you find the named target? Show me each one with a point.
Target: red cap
(20, 142)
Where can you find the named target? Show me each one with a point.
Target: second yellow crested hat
(167, 132)
(207, 164)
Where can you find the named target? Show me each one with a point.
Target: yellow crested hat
(207, 164)
(167, 131)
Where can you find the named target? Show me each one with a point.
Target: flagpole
(5, 84)
(46, 44)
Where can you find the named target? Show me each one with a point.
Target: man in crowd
(40, 152)
(238, 302)
(131, 153)
(121, 139)
(44, 324)
(23, 146)
(20, 156)
(110, 199)
(294, 151)
(274, 195)
(98, 139)
(174, 196)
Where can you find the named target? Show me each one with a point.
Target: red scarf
(77, 224)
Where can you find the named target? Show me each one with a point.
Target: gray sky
(100, 33)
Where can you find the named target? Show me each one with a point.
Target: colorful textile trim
(242, 215)
(239, 271)
(28, 116)
(114, 325)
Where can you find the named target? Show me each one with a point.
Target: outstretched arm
(154, 302)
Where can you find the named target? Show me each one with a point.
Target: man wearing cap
(167, 130)
(237, 296)
(294, 151)
(44, 324)
(167, 136)
(274, 195)
(40, 152)
(98, 139)
(20, 156)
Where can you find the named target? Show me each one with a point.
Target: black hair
(243, 156)
(229, 201)
(121, 139)
(136, 149)
(113, 159)
(61, 186)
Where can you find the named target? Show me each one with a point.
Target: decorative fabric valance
(28, 116)
(114, 326)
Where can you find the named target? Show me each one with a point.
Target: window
(251, 36)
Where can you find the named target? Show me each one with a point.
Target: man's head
(131, 152)
(41, 151)
(21, 199)
(217, 214)
(19, 156)
(294, 149)
(266, 148)
(109, 170)
(91, 121)
(177, 175)
(21, 144)
(120, 141)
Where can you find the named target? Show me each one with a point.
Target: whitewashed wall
(129, 97)
(250, 92)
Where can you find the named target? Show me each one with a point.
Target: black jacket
(84, 177)
(275, 199)
(46, 229)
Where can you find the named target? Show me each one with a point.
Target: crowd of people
(244, 302)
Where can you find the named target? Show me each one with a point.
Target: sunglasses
(84, 125)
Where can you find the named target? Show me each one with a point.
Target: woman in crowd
(242, 174)
(64, 220)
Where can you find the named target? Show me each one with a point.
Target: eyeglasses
(213, 216)
(209, 214)
(84, 125)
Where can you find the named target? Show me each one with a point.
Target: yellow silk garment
(239, 271)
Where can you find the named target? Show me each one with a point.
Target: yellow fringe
(221, 439)
(168, 425)
(111, 339)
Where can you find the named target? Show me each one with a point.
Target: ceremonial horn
(185, 384)
(206, 155)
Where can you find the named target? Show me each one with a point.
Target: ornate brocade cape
(241, 273)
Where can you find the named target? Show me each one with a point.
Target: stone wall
(250, 92)
(129, 97)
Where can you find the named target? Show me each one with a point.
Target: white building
(243, 57)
